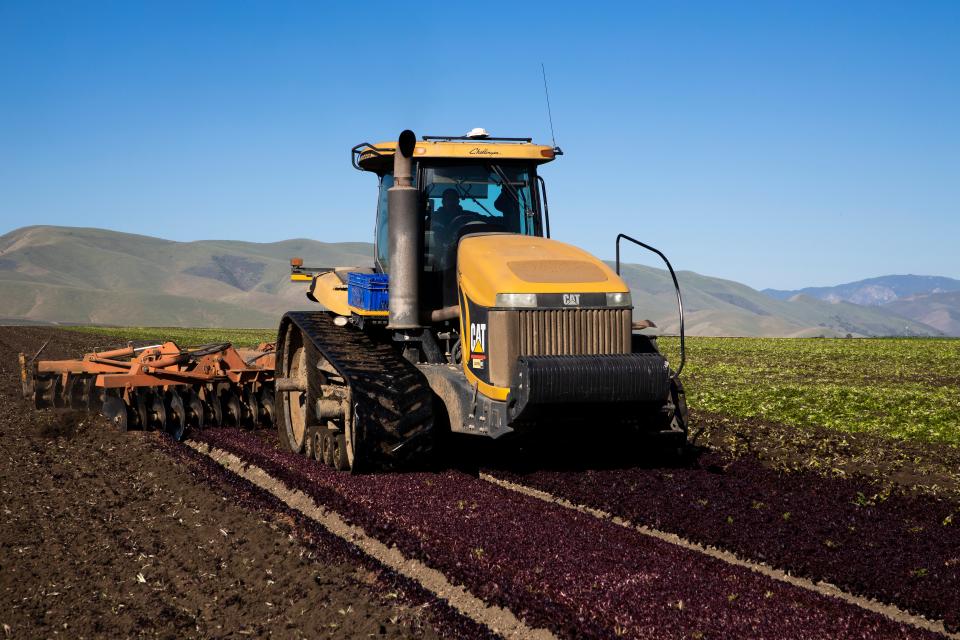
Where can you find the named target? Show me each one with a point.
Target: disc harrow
(160, 387)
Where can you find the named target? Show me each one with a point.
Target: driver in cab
(448, 211)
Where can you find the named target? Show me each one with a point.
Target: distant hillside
(938, 310)
(77, 275)
(717, 307)
(931, 300)
(874, 291)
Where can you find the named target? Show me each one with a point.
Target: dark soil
(577, 575)
(104, 535)
(920, 467)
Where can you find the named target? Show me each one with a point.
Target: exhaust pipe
(405, 239)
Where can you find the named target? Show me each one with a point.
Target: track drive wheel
(115, 411)
(292, 419)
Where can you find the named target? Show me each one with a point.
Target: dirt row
(106, 536)
(572, 573)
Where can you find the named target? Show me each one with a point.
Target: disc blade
(250, 409)
(176, 415)
(157, 412)
(115, 412)
(194, 409)
(230, 405)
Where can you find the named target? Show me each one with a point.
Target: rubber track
(392, 402)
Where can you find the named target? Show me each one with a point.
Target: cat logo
(478, 337)
(478, 344)
(571, 299)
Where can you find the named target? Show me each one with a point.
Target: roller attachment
(161, 387)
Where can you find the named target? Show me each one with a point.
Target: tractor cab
(466, 185)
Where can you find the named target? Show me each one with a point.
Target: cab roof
(379, 157)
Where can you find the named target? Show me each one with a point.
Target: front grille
(560, 332)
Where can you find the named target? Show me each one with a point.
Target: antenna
(546, 92)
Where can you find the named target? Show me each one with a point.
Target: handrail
(483, 139)
(676, 285)
(546, 205)
(366, 147)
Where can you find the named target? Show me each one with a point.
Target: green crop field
(186, 337)
(901, 388)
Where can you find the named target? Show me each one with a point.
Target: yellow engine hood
(511, 263)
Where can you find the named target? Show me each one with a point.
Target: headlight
(619, 299)
(516, 300)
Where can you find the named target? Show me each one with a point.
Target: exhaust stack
(405, 239)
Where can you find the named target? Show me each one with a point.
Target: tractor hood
(488, 264)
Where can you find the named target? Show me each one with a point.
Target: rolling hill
(95, 276)
(874, 291)
(931, 300)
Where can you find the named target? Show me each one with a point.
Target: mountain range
(96, 276)
(932, 300)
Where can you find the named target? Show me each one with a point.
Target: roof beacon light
(477, 133)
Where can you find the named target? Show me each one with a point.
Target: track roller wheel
(176, 415)
(328, 444)
(232, 414)
(194, 410)
(341, 459)
(115, 411)
(317, 446)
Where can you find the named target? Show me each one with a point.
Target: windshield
(479, 195)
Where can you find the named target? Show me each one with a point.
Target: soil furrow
(559, 569)
(893, 547)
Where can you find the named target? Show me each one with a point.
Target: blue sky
(777, 144)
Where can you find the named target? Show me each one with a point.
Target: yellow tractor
(471, 318)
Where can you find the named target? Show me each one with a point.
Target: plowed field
(121, 535)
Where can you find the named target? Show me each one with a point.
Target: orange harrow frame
(161, 386)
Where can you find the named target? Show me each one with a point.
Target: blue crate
(368, 291)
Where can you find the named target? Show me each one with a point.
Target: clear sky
(777, 144)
